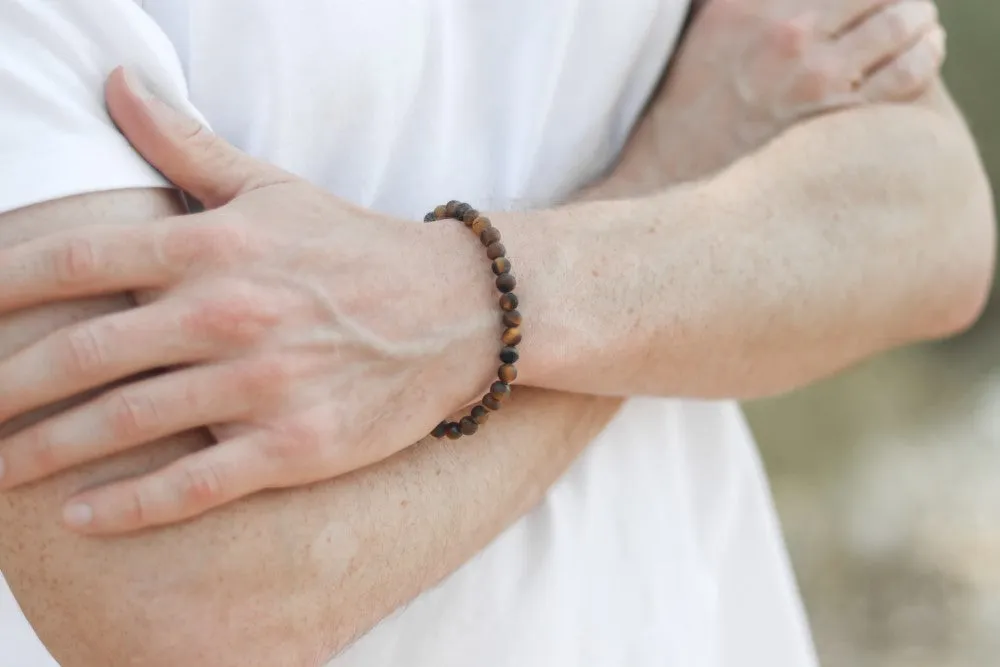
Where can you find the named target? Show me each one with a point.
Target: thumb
(181, 148)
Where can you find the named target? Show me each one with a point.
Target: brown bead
(440, 212)
(430, 217)
(454, 431)
(440, 430)
(509, 355)
(500, 390)
(468, 426)
(501, 265)
(461, 210)
(495, 250)
(506, 282)
(470, 216)
(507, 373)
(480, 414)
(512, 318)
(490, 236)
(480, 225)
(511, 336)
(449, 208)
(491, 402)
(508, 301)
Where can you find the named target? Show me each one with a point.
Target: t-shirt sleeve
(56, 138)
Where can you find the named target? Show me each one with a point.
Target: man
(659, 545)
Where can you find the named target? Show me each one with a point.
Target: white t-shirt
(660, 546)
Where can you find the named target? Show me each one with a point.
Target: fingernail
(78, 514)
(137, 85)
(162, 112)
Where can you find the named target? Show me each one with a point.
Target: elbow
(964, 248)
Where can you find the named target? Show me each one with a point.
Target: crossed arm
(300, 573)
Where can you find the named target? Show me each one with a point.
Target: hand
(747, 71)
(314, 336)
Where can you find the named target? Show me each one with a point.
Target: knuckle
(236, 317)
(200, 487)
(131, 415)
(85, 351)
(75, 262)
(42, 454)
(790, 39)
(266, 377)
(895, 24)
(223, 243)
(295, 443)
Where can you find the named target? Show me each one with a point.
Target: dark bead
(491, 402)
(511, 336)
(508, 301)
(440, 430)
(468, 426)
(500, 390)
(480, 225)
(454, 431)
(449, 208)
(430, 217)
(506, 282)
(512, 318)
(507, 373)
(490, 236)
(480, 414)
(440, 213)
(470, 216)
(461, 210)
(495, 250)
(501, 265)
(509, 355)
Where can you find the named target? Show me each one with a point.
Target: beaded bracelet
(505, 282)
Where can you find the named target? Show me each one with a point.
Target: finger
(192, 486)
(181, 148)
(909, 75)
(94, 353)
(842, 15)
(885, 35)
(132, 415)
(84, 262)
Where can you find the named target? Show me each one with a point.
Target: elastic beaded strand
(511, 318)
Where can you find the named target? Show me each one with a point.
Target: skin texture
(290, 608)
(297, 363)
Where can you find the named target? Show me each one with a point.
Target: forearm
(282, 578)
(849, 234)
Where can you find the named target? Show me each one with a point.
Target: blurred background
(887, 478)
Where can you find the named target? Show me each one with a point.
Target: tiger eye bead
(500, 390)
(508, 301)
(480, 225)
(454, 431)
(506, 282)
(495, 250)
(430, 217)
(509, 355)
(468, 426)
(511, 336)
(507, 373)
(449, 208)
(512, 318)
(490, 236)
(440, 212)
(491, 402)
(461, 210)
(470, 216)
(480, 414)
(501, 265)
(440, 430)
